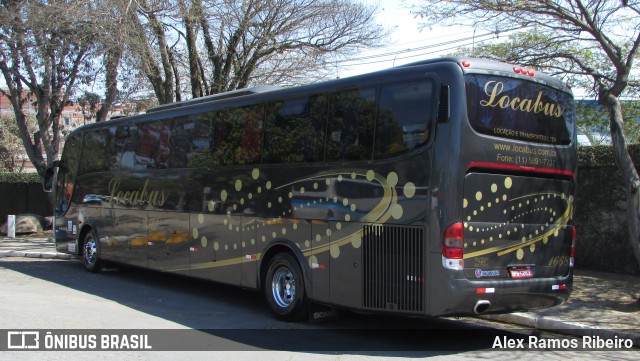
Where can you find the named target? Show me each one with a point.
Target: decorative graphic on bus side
(495, 224)
(503, 218)
(304, 196)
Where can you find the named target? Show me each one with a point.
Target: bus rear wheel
(284, 288)
(90, 252)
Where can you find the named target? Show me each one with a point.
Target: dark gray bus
(443, 187)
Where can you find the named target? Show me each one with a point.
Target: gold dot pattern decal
(514, 217)
(409, 190)
(335, 199)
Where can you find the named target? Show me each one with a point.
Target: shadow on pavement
(241, 316)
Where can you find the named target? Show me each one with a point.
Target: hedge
(20, 178)
(602, 155)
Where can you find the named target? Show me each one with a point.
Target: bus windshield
(519, 109)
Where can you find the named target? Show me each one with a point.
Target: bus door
(168, 237)
(66, 215)
(127, 236)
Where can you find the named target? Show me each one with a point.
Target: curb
(27, 254)
(563, 327)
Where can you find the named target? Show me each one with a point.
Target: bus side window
(126, 135)
(193, 142)
(96, 152)
(351, 125)
(164, 147)
(295, 130)
(250, 150)
(403, 118)
(238, 136)
(146, 152)
(180, 142)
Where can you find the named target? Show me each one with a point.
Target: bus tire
(284, 288)
(91, 252)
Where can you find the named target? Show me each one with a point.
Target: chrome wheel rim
(283, 287)
(90, 251)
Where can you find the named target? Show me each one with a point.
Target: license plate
(521, 272)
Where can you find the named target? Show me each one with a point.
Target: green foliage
(11, 147)
(593, 119)
(20, 178)
(89, 103)
(602, 155)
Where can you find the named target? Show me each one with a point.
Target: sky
(408, 42)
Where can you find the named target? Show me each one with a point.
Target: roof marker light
(517, 70)
(466, 63)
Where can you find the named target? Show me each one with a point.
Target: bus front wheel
(284, 288)
(90, 252)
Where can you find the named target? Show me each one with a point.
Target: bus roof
(225, 95)
(478, 65)
(467, 65)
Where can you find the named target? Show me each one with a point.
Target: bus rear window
(519, 109)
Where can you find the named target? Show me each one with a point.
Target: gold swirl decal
(500, 225)
(547, 231)
(385, 207)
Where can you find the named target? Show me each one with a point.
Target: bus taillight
(452, 247)
(573, 246)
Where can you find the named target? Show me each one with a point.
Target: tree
(48, 49)
(595, 42)
(11, 149)
(89, 103)
(44, 59)
(592, 118)
(222, 45)
(113, 24)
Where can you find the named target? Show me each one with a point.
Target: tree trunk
(163, 87)
(112, 60)
(192, 50)
(629, 173)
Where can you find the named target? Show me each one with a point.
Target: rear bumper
(470, 297)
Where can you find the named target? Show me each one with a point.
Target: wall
(601, 219)
(20, 198)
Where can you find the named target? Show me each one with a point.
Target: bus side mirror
(49, 174)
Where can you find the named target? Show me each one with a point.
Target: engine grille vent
(394, 271)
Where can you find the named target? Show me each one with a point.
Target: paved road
(58, 294)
